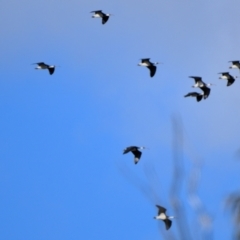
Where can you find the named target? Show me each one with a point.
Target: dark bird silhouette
(135, 151)
(42, 65)
(100, 14)
(145, 62)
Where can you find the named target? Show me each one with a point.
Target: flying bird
(230, 79)
(135, 151)
(199, 96)
(235, 64)
(145, 62)
(200, 83)
(163, 216)
(100, 14)
(42, 65)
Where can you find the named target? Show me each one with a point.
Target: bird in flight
(199, 96)
(135, 151)
(100, 14)
(230, 79)
(145, 62)
(42, 65)
(163, 216)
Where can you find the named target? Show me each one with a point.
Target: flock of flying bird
(205, 86)
(145, 62)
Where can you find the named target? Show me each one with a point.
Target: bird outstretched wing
(105, 19)
(51, 70)
(168, 223)
(161, 209)
(137, 155)
(153, 70)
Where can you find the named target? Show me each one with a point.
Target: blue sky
(62, 171)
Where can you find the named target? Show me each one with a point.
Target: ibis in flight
(100, 14)
(230, 79)
(163, 216)
(42, 65)
(145, 62)
(135, 151)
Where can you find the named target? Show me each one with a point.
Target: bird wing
(145, 60)
(97, 11)
(224, 73)
(237, 63)
(231, 80)
(41, 64)
(206, 91)
(126, 150)
(152, 69)
(168, 223)
(197, 79)
(161, 209)
(129, 149)
(192, 94)
(137, 155)
(104, 18)
(234, 62)
(199, 98)
(51, 70)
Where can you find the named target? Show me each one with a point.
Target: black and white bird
(200, 83)
(230, 79)
(135, 151)
(42, 65)
(145, 62)
(163, 216)
(199, 96)
(235, 64)
(100, 14)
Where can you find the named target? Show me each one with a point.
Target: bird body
(164, 217)
(100, 14)
(145, 62)
(230, 79)
(135, 151)
(42, 65)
